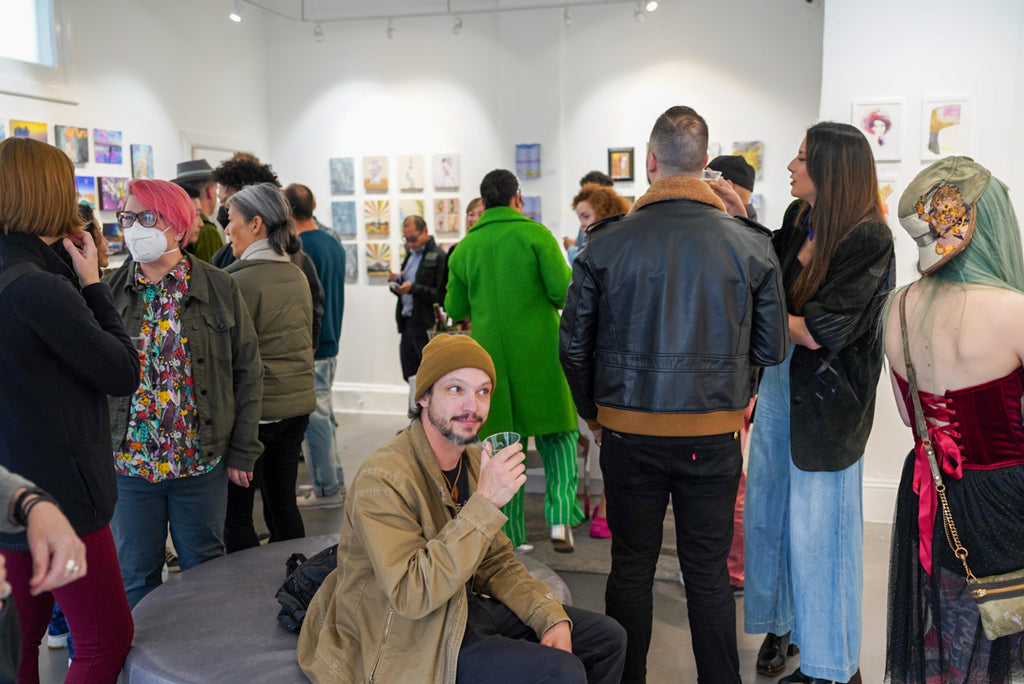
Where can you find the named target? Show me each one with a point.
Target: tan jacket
(395, 608)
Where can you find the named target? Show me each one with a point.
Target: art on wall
(446, 171)
(881, 123)
(3, 129)
(343, 175)
(377, 217)
(378, 262)
(106, 146)
(620, 163)
(142, 161)
(531, 207)
(74, 140)
(86, 186)
(410, 172)
(945, 127)
(375, 174)
(343, 218)
(528, 161)
(115, 238)
(714, 150)
(111, 192)
(753, 152)
(351, 261)
(446, 216)
(888, 196)
(757, 201)
(410, 207)
(28, 129)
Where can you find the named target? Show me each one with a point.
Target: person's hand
(501, 475)
(558, 635)
(84, 258)
(598, 434)
(404, 288)
(392, 276)
(568, 242)
(242, 478)
(733, 204)
(58, 555)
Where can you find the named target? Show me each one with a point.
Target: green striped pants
(561, 474)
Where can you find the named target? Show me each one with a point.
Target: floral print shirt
(162, 439)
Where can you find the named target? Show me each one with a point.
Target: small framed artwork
(351, 261)
(342, 175)
(378, 262)
(106, 146)
(888, 196)
(375, 174)
(142, 161)
(620, 163)
(531, 208)
(343, 218)
(446, 171)
(881, 122)
(111, 192)
(446, 216)
(753, 152)
(410, 172)
(410, 207)
(86, 186)
(29, 129)
(377, 218)
(74, 140)
(945, 127)
(528, 161)
(115, 238)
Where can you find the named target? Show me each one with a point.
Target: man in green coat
(510, 276)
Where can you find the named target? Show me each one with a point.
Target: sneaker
(599, 528)
(561, 538)
(57, 632)
(311, 500)
(524, 548)
(737, 590)
(171, 560)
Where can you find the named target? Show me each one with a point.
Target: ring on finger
(71, 566)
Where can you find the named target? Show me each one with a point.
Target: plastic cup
(141, 343)
(500, 440)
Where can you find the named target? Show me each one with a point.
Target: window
(28, 32)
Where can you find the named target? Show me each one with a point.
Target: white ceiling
(355, 10)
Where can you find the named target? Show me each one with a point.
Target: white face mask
(146, 244)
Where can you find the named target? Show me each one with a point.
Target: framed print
(343, 218)
(377, 217)
(29, 129)
(531, 207)
(351, 261)
(111, 192)
(528, 161)
(446, 171)
(410, 172)
(410, 207)
(142, 161)
(753, 152)
(106, 146)
(620, 163)
(378, 262)
(889, 198)
(945, 127)
(446, 216)
(375, 174)
(881, 122)
(86, 186)
(342, 175)
(74, 140)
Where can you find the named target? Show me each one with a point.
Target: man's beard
(447, 430)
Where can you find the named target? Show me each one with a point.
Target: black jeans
(275, 473)
(701, 475)
(410, 347)
(499, 648)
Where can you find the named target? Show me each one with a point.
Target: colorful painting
(528, 161)
(753, 152)
(757, 201)
(115, 238)
(881, 123)
(889, 198)
(447, 216)
(377, 217)
(29, 129)
(351, 261)
(446, 171)
(111, 193)
(378, 262)
(86, 186)
(531, 208)
(410, 172)
(142, 161)
(375, 174)
(945, 128)
(410, 207)
(343, 175)
(74, 141)
(620, 163)
(343, 218)
(106, 146)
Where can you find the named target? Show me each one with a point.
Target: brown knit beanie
(446, 353)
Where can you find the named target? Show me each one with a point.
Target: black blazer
(428, 288)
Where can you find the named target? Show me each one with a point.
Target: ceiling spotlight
(318, 33)
(567, 17)
(235, 16)
(457, 29)
(652, 5)
(638, 13)
(390, 30)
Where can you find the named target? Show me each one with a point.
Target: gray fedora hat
(193, 171)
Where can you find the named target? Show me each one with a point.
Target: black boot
(771, 657)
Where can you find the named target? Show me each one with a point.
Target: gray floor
(670, 658)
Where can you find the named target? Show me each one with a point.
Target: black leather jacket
(428, 288)
(670, 307)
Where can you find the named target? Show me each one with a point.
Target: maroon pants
(95, 606)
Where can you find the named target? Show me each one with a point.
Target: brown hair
(841, 166)
(603, 200)
(37, 190)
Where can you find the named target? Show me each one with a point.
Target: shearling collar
(678, 187)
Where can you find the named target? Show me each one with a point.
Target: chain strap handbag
(1000, 598)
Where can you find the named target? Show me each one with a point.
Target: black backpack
(304, 578)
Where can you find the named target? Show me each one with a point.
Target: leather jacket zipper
(383, 642)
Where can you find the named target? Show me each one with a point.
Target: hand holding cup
(502, 468)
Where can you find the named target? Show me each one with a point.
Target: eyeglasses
(147, 218)
(414, 238)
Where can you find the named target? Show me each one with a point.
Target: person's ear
(257, 225)
(652, 163)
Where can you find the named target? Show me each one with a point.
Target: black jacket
(428, 288)
(62, 351)
(669, 308)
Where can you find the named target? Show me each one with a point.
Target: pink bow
(950, 460)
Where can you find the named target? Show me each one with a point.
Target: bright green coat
(509, 275)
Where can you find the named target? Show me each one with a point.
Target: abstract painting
(343, 218)
(410, 172)
(531, 207)
(86, 186)
(753, 152)
(446, 216)
(111, 193)
(375, 174)
(142, 161)
(377, 217)
(881, 124)
(409, 207)
(620, 163)
(115, 238)
(528, 160)
(351, 261)
(378, 262)
(889, 197)
(757, 201)
(28, 129)
(106, 146)
(74, 140)
(945, 127)
(343, 178)
(446, 171)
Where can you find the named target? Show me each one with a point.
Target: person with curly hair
(592, 203)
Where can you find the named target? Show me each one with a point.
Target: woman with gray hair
(263, 239)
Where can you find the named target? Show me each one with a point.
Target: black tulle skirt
(934, 629)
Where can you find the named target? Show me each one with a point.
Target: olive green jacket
(395, 609)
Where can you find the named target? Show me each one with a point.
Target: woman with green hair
(964, 329)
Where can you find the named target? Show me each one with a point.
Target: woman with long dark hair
(803, 516)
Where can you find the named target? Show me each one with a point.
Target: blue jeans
(804, 543)
(320, 443)
(193, 507)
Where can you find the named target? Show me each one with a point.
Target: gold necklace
(453, 487)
